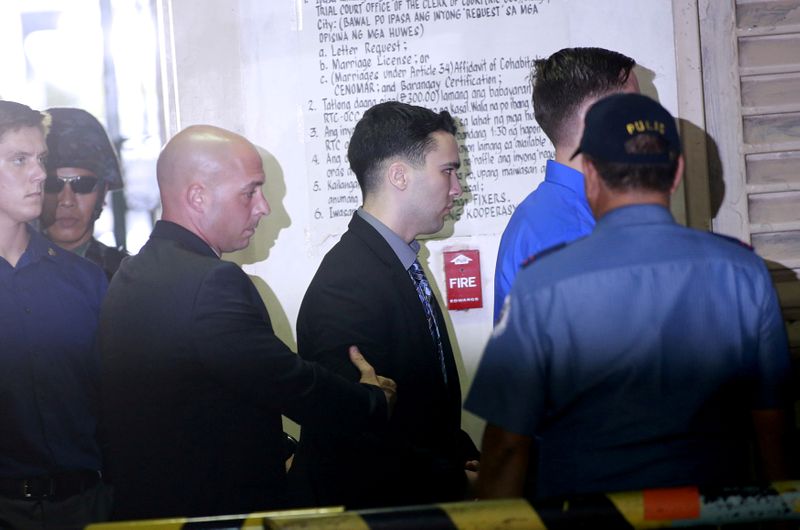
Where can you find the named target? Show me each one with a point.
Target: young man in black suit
(194, 379)
(371, 290)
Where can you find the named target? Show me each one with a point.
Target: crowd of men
(629, 352)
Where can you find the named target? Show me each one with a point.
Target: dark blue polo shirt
(49, 306)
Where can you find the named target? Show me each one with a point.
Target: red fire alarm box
(462, 275)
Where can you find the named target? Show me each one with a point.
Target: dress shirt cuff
(378, 408)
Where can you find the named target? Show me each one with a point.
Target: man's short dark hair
(14, 116)
(563, 81)
(393, 129)
(651, 177)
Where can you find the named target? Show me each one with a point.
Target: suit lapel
(401, 280)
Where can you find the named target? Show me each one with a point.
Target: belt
(55, 486)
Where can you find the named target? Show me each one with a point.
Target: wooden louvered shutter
(751, 74)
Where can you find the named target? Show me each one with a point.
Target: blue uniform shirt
(555, 212)
(634, 356)
(49, 306)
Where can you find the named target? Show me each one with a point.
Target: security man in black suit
(194, 380)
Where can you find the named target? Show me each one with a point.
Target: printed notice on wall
(470, 57)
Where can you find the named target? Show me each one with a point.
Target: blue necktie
(425, 295)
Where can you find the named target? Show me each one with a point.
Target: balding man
(194, 379)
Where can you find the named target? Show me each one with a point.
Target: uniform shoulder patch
(734, 240)
(543, 253)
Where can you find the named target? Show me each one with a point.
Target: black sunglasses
(79, 184)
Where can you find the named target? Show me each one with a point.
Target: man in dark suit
(194, 379)
(370, 289)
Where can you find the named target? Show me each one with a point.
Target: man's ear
(591, 179)
(678, 175)
(398, 173)
(102, 193)
(196, 197)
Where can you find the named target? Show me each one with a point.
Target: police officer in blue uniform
(646, 354)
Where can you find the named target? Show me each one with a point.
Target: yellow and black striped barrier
(654, 508)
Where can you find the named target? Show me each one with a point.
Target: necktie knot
(420, 280)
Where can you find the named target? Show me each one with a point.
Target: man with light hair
(49, 304)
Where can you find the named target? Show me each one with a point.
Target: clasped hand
(369, 377)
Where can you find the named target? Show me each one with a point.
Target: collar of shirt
(175, 232)
(635, 214)
(406, 252)
(558, 173)
(81, 250)
(39, 247)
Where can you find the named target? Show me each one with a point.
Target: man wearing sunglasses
(81, 166)
(49, 306)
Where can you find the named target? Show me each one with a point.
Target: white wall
(237, 64)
